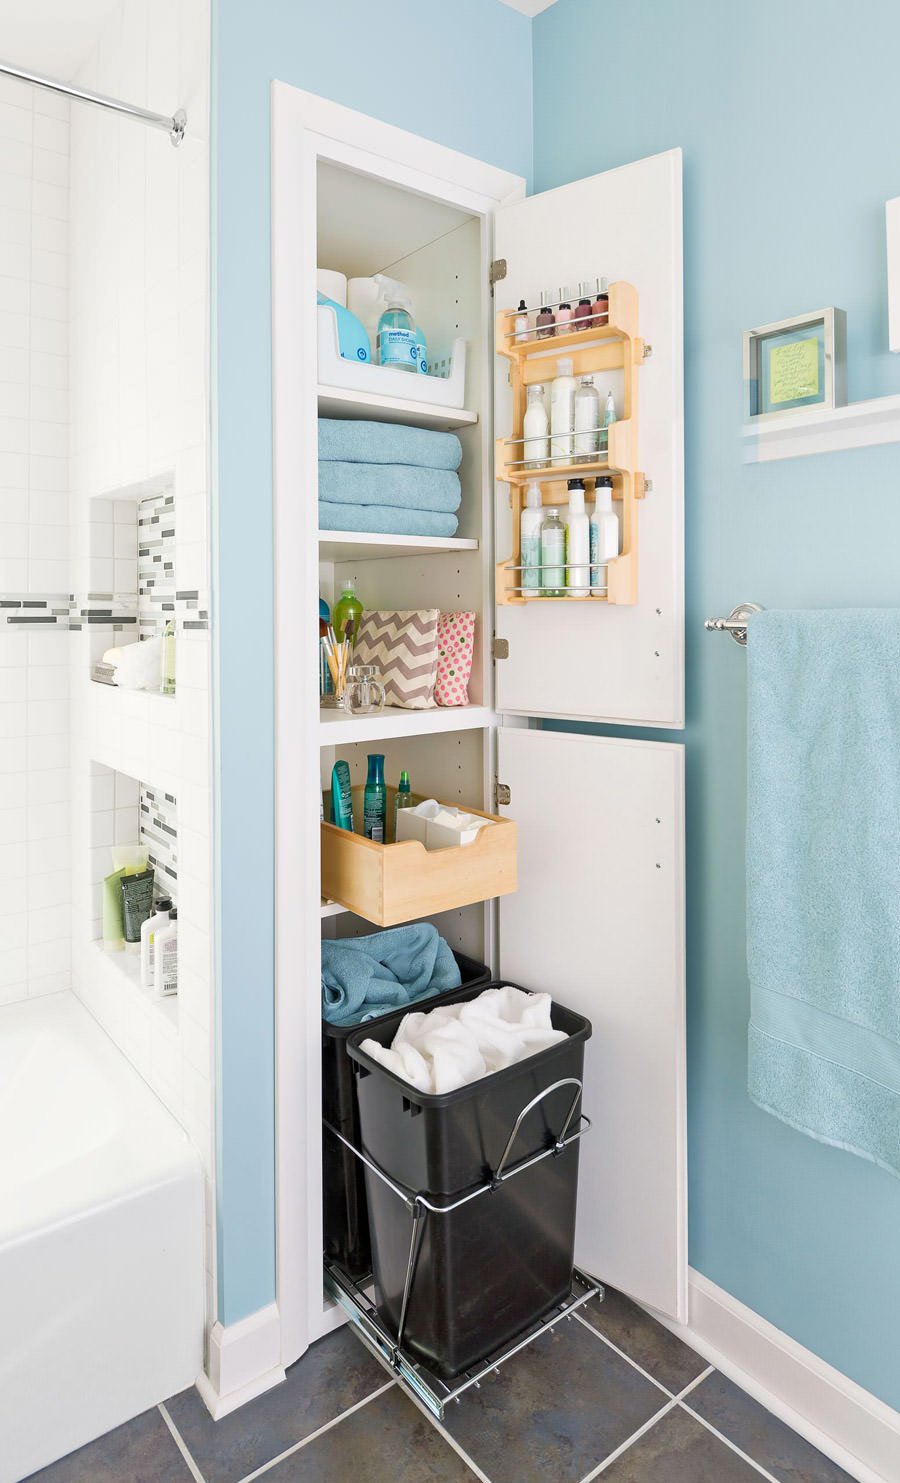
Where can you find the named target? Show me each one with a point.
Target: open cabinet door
(597, 661)
(598, 922)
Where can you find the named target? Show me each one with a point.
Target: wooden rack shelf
(613, 346)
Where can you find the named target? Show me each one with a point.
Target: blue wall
(787, 117)
(442, 83)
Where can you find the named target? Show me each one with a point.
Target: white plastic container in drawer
(444, 390)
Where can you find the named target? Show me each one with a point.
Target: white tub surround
(101, 1238)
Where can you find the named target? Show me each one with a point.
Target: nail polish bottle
(600, 313)
(563, 313)
(522, 321)
(546, 320)
(582, 316)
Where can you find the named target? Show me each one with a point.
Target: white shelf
(337, 401)
(348, 545)
(336, 728)
(332, 909)
(793, 434)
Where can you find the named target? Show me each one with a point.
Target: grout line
(629, 1441)
(181, 1444)
(728, 1443)
(621, 1352)
(648, 1426)
(320, 1431)
(446, 1436)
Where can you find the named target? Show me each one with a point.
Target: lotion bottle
(578, 543)
(587, 421)
(604, 534)
(562, 413)
(530, 542)
(535, 428)
(154, 923)
(165, 966)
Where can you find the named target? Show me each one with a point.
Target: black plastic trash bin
(497, 1264)
(345, 1218)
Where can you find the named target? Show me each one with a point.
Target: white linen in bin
(454, 1044)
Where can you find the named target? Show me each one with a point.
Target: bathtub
(101, 1238)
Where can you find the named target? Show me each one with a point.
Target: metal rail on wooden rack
(615, 345)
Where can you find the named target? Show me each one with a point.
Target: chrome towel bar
(735, 623)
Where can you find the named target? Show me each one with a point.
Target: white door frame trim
(306, 128)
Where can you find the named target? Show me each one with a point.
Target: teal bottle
(375, 799)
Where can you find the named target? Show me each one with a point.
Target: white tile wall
(139, 409)
(35, 885)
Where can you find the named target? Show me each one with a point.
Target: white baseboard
(244, 1361)
(851, 1426)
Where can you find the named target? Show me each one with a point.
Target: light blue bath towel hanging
(823, 875)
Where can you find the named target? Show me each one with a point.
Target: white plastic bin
(434, 390)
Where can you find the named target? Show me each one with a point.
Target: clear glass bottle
(587, 421)
(536, 430)
(167, 680)
(365, 690)
(553, 555)
(375, 800)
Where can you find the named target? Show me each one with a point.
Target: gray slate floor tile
(141, 1451)
(335, 1373)
(554, 1411)
(679, 1450)
(734, 1413)
(645, 1341)
(386, 1441)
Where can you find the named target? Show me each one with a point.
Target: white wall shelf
(347, 545)
(337, 401)
(336, 728)
(794, 434)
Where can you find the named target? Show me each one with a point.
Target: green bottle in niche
(167, 687)
(375, 800)
(348, 608)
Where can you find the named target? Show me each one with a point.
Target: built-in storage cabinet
(584, 899)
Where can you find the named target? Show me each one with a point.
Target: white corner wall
(140, 421)
(35, 883)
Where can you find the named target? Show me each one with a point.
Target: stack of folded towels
(393, 480)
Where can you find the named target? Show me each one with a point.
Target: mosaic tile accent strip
(25, 609)
(158, 830)
(156, 561)
(76, 611)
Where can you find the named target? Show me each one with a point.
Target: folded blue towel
(389, 484)
(386, 520)
(387, 442)
(823, 875)
(366, 976)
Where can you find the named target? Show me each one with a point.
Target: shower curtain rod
(174, 124)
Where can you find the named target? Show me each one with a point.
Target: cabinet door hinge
(502, 795)
(497, 272)
(500, 648)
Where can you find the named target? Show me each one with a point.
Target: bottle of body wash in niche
(165, 964)
(604, 534)
(532, 519)
(149, 930)
(375, 800)
(535, 429)
(562, 413)
(578, 543)
(546, 320)
(553, 555)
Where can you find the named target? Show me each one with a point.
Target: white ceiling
(50, 36)
(529, 7)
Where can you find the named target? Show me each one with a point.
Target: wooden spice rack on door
(612, 346)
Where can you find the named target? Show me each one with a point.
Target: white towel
(454, 1044)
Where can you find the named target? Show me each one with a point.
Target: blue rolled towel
(386, 520)
(389, 484)
(387, 442)
(366, 976)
